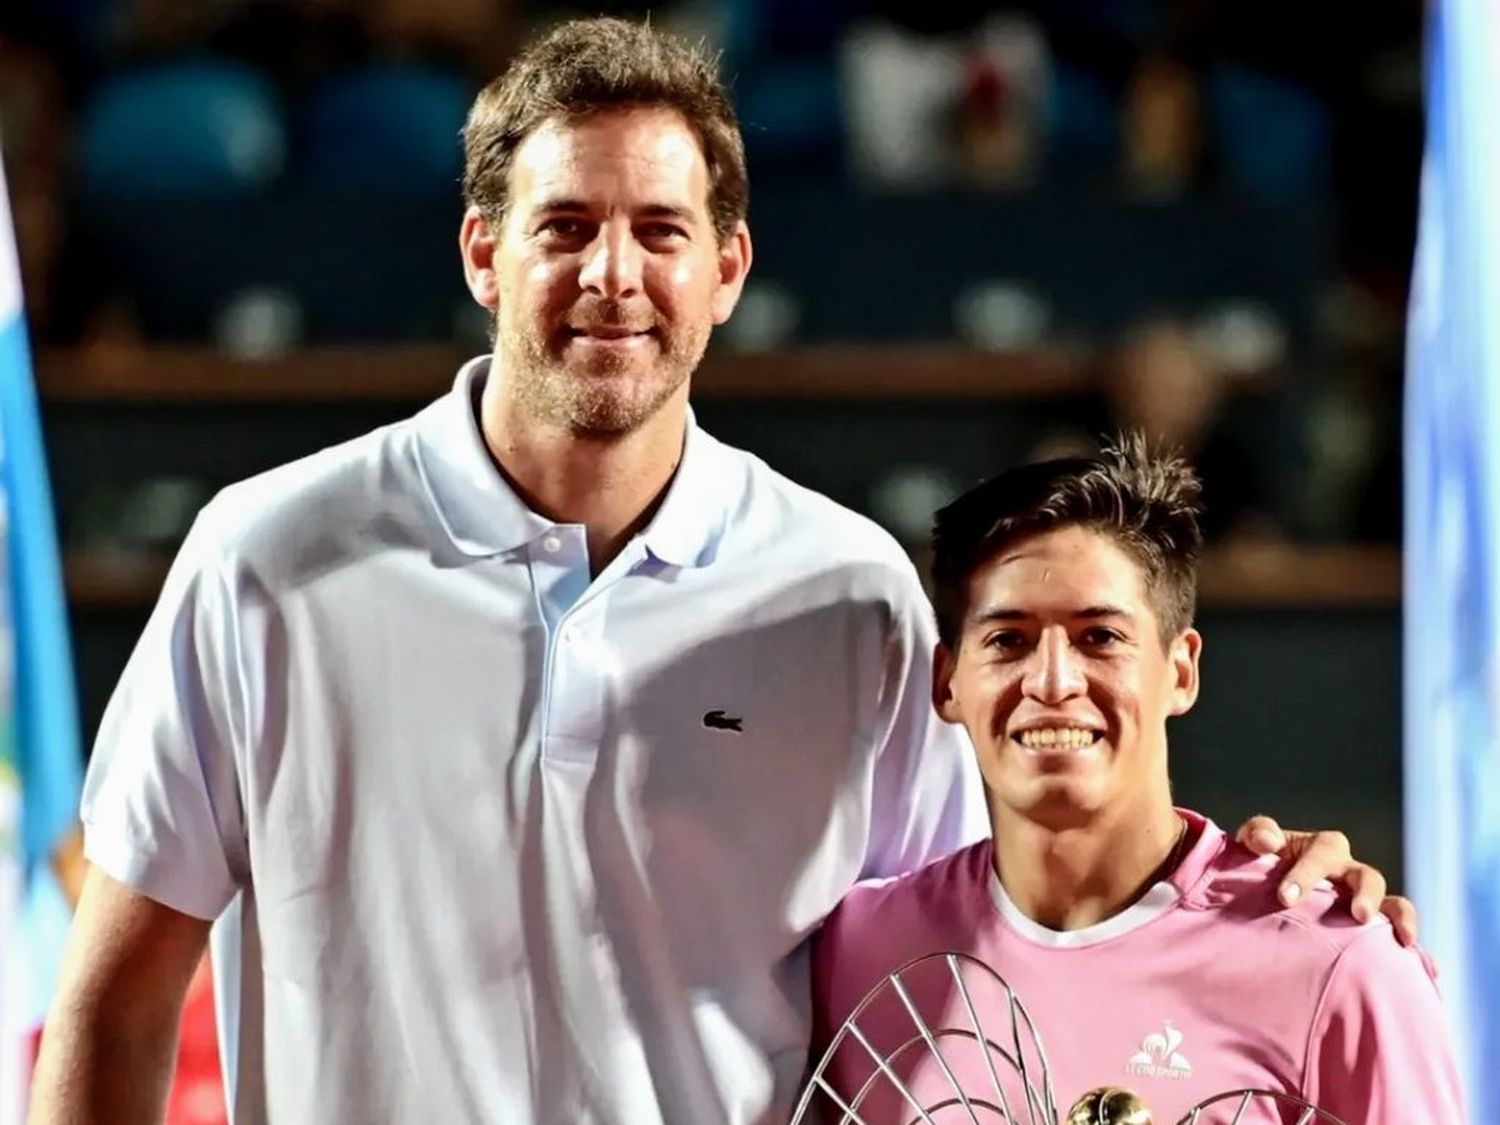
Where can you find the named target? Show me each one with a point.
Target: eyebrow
(996, 614)
(669, 211)
(570, 206)
(561, 203)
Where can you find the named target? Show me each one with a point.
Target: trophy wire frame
(1039, 1104)
(1309, 1115)
(965, 971)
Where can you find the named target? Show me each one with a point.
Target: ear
(1183, 658)
(944, 664)
(734, 264)
(477, 243)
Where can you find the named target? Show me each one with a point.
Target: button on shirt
(491, 839)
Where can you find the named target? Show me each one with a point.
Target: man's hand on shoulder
(1315, 856)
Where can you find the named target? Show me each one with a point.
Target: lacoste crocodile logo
(717, 720)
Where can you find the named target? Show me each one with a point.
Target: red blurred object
(197, 1096)
(986, 90)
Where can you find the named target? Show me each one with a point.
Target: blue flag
(1452, 597)
(40, 760)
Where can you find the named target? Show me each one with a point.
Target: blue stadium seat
(197, 127)
(386, 130)
(792, 116)
(1083, 125)
(1272, 136)
(781, 62)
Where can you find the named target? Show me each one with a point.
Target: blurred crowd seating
(1156, 193)
(120, 102)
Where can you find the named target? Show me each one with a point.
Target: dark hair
(1147, 503)
(586, 66)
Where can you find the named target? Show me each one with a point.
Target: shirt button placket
(576, 703)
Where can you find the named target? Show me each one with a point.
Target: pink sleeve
(1379, 1052)
(825, 957)
(838, 966)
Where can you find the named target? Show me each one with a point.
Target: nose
(1054, 673)
(612, 263)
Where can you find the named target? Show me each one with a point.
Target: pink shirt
(1206, 984)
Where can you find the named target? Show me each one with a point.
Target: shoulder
(1379, 1048)
(907, 905)
(1367, 959)
(883, 925)
(1359, 963)
(772, 514)
(324, 506)
(1239, 887)
(343, 480)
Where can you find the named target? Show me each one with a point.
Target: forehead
(646, 152)
(1063, 571)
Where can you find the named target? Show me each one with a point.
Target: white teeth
(1064, 738)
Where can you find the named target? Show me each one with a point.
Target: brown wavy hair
(587, 66)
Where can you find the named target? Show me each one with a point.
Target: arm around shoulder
(1380, 1052)
(110, 1042)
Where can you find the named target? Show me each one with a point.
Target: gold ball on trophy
(1109, 1105)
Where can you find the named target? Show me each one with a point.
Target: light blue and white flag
(40, 763)
(1452, 597)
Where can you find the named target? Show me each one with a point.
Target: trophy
(994, 1037)
(1109, 1105)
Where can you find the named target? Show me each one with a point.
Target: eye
(563, 228)
(1099, 636)
(661, 232)
(1007, 641)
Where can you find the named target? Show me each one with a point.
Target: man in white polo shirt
(518, 748)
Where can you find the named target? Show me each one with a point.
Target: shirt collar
(689, 524)
(475, 505)
(483, 516)
(1158, 900)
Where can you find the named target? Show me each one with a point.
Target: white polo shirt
(490, 841)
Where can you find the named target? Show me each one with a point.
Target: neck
(1069, 878)
(611, 484)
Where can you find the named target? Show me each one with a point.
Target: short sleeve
(161, 801)
(845, 952)
(927, 801)
(1380, 1052)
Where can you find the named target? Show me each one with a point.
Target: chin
(1055, 803)
(617, 407)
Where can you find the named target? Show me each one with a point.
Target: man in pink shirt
(1149, 949)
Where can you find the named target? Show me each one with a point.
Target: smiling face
(1063, 680)
(606, 274)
